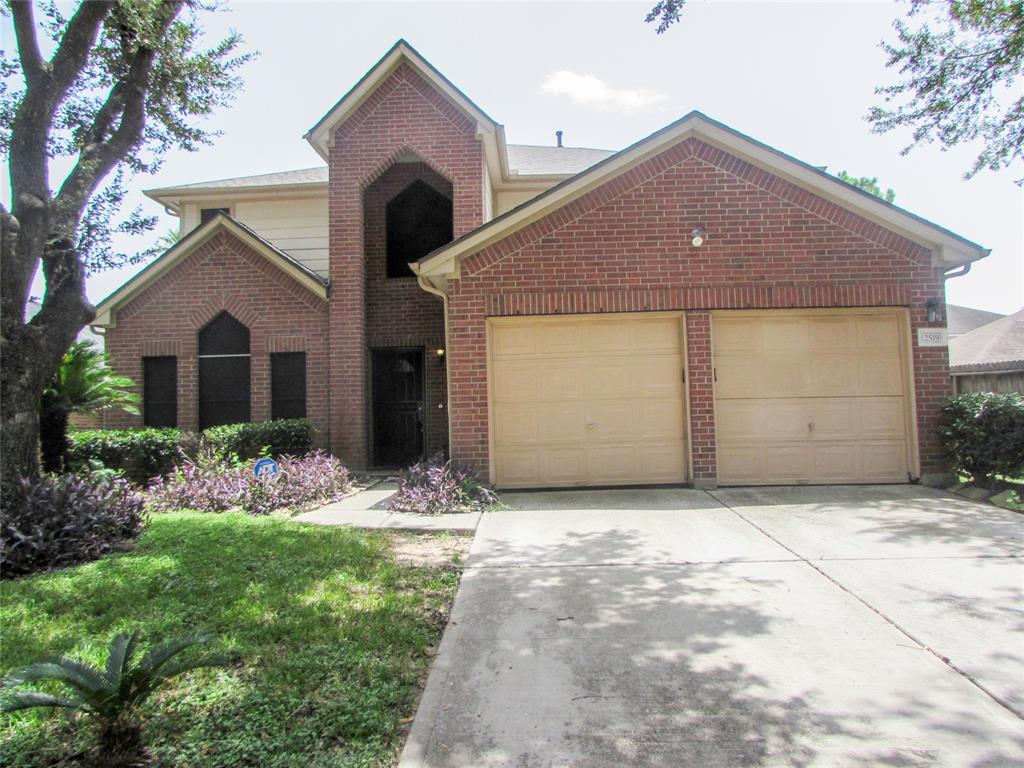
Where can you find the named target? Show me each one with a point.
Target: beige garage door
(587, 400)
(810, 398)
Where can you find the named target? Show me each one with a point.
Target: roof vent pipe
(558, 137)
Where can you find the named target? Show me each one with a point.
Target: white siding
(507, 199)
(296, 226)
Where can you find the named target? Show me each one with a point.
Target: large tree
(960, 70)
(112, 87)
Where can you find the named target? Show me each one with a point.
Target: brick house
(696, 308)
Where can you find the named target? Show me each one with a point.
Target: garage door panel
(559, 339)
(621, 375)
(516, 422)
(608, 379)
(810, 398)
(517, 468)
(512, 340)
(561, 466)
(657, 336)
(603, 337)
(661, 420)
(563, 422)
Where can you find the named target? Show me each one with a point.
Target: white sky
(797, 76)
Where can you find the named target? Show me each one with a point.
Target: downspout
(429, 287)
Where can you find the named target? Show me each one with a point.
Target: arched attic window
(224, 372)
(417, 220)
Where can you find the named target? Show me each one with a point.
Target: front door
(397, 407)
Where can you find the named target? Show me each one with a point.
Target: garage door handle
(810, 426)
(591, 425)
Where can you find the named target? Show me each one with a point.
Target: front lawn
(330, 633)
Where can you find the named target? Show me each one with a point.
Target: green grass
(329, 635)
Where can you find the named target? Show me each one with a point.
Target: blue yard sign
(265, 468)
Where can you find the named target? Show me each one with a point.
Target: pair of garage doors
(800, 397)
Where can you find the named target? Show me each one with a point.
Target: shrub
(140, 453)
(217, 486)
(111, 696)
(437, 486)
(282, 437)
(64, 520)
(983, 432)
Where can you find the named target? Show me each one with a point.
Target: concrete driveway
(853, 626)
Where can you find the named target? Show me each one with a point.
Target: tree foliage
(111, 87)
(959, 76)
(960, 82)
(868, 184)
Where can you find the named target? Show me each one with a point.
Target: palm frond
(159, 655)
(122, 648)
(18, 700)
(83, 678)
(176, 668)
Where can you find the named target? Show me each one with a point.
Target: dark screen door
(397, 407)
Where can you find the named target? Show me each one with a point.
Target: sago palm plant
(111, 696)
(84, 383)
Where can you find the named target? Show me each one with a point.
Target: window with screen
(417, 220)
(205, 214)
(288, 385)
(160, 391)
(224, 372)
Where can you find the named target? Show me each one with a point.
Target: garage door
(587, 400)
(810, 398)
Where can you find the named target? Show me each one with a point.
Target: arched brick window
(417, 220)
(224, 372)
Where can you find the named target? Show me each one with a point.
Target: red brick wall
(223, 274)
(625, 247)
(403, 115)
(398, 312)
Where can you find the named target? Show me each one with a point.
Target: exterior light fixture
(934, 308)
(440, 353)
(698, 237)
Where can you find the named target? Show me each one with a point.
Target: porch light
(698, 237)
(440, 352)
(934, 308)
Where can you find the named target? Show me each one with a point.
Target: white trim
(947, 249)
(106, 311)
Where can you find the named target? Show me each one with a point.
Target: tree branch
(28, 46)
(76, 44)
(101, 154)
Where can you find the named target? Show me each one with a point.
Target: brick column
(702, 399)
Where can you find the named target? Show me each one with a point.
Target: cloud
(590, 91)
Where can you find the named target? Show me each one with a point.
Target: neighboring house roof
(523, 160)
(951, 249)
(960, 320)
(995, 347)
(177, 252)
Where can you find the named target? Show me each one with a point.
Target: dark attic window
(224, 372)
(205, 214)
(417, 220)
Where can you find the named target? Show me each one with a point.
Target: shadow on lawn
(330, 633)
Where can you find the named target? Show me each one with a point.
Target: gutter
(427, 285)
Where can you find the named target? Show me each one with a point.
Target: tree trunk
(19, 438)
(53, 436)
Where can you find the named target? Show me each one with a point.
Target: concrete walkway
(754, 627)
(366, 509)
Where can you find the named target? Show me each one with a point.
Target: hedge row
(983, 433)
(146, 453)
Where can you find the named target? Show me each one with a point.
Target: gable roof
(320, 134)
(996, 346)
(106, 310)
(951, 250)
(960, 320)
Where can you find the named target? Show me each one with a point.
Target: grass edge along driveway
(331, 638)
